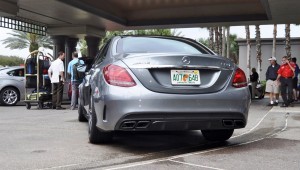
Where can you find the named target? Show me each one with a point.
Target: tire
(95, 135)
(9, 96)
(40, 105)
(28, 106)
(217, 135)
(81, 117)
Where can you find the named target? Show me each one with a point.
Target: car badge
(186, 60)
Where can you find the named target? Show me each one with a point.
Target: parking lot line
(201, 152)
(196, 165)
(254, 127)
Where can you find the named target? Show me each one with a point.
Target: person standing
(295, 79)
(56, 74)
(254, 81)
(272, 86)
(74, 82)
(285, 76)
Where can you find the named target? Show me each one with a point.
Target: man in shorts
(272, 86)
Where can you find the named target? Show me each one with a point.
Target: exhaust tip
(128, 125)
(142, 124)
(239, 123)
(228, 123)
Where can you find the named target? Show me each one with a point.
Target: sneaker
(270, 104)
(275, 104)
(60, 108)
(284, 105)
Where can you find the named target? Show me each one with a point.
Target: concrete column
(58, 44)
(92, 45)
(70, 47)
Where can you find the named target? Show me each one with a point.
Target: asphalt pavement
(54, 139)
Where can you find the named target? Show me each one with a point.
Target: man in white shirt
(56, 74)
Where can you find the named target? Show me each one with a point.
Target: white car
(12, 86)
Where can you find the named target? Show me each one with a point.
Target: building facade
(266, 50)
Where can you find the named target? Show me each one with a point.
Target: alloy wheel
(10, 97)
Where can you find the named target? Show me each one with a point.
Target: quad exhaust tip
(135, 124)
(128, 125)
(233, 123)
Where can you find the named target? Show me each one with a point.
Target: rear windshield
(156, 45)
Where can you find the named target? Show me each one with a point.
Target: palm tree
(211, 38)
(258, 49)
(233, 48)
(228, 43)
(288, 40)
(216, 48)
(223, 41)
(248, 49)
(274, 40)
(21, 40)
(220, 40)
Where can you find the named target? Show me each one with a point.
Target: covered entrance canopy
(91, 18)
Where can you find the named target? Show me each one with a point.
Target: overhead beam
(96, 11)
(266, 6)
(257, 17)
(76, 31)
(8, 9)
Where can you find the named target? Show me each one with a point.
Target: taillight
(239, 79)
(117, 76)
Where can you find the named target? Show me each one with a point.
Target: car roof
(11, 68)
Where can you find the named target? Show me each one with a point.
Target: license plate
(185, 77)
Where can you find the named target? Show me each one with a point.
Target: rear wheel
(217, 135)
(95, 135)
(9, 96)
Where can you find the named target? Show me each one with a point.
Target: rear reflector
(239, 79)
(117, 76)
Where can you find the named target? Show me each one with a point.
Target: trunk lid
(167, 73)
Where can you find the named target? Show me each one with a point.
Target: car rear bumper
(152, 111)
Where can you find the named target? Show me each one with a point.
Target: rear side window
(156, 45)
(18, 73)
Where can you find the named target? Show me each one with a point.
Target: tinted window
(156, 45)
(18, 73)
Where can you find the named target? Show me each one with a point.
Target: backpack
(78, 71)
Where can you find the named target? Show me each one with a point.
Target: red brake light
(117, 76)
(239, 79)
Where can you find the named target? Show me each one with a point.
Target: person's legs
(271, 98)
(269, 89)
(295, 84)
(283, 91)
(54, 94)
(74, 98)
(253, 88)
(290, 90)
(276, 88)
(60, 89)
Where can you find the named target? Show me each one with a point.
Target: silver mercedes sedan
(157, 83)
(12, 85)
